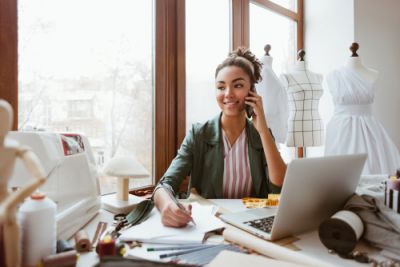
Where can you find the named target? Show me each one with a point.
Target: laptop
(313, 190)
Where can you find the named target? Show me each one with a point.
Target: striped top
(237, 182)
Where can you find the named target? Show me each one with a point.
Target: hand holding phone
(250, 109)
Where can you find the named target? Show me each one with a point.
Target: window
(204, 51)
(281, 36)
(105, 55)
(267, 26)
(289, 4)
(89, 70)
(80, 109)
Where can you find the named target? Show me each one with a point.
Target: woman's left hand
(258, 118)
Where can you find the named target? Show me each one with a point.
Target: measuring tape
(253, 202)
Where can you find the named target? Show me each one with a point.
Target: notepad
(153, 231)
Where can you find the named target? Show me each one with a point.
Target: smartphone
(249, 109)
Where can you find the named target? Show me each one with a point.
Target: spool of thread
(341, 232)
(38, 223)
(63, 245)
(82, 242)
(106, 246)
(64, 259)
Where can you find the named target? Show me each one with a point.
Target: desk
(308, 243)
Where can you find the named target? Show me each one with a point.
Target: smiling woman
(229, 156)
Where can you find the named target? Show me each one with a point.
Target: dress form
(353, 129)
(274, 98)
(354, 63)
(10, 250)
(304, 89)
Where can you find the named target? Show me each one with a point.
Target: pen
(176, 248)
(178, 203)
(162, 256)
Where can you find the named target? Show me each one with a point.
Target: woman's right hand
(173, 216)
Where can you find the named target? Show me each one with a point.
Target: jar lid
(38, 196)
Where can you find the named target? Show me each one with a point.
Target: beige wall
(377, 29)
(329, 31)
(332, 25)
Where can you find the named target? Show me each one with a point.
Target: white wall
(329, 31)
(330, 28)
(377, 29)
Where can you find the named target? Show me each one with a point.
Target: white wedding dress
(275, 101)
(353, 128)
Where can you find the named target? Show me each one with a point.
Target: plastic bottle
(38, 228)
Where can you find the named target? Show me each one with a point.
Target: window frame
(169, 65)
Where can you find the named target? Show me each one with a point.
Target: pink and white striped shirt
(237, 182)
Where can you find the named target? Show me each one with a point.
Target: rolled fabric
(341, 232)
(270, 249)
(82, 242)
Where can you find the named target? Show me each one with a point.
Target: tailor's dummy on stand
(10, 246)
(353, 128)
(274, 98)
(304, 89)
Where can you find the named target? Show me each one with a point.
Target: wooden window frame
(9, 55)
(241, 26)
(170, 81)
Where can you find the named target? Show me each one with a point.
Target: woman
(229, 156)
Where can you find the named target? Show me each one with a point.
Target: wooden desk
(308, 243)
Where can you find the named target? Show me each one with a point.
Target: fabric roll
(341, 232)
(270, 249)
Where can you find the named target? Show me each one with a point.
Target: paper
(236, 259)
(270, 249)
(153, 231)
(142, 253)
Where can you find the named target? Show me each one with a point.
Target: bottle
(38, 228)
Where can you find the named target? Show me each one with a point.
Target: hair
(243, 58)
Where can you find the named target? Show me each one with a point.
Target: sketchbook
(153, 231)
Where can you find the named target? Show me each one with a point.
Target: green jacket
(201, 156)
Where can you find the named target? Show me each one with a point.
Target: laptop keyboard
(264, 224)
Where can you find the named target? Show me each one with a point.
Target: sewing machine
(72, 178)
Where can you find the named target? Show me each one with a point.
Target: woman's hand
(258, 118)
(173, 216)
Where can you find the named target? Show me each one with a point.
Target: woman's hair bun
(251, 64)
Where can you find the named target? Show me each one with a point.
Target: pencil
(167, 255)
(178, 203)
(176, 248)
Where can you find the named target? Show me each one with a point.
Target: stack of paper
(153, 231)
(234, 259)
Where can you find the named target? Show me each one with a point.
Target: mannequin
(304, 91)
(353, 128)
(9, 151)
(274, 98)
(354, 62)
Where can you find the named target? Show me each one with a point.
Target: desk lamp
(123, 168)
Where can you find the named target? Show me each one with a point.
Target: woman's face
(232, 86)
